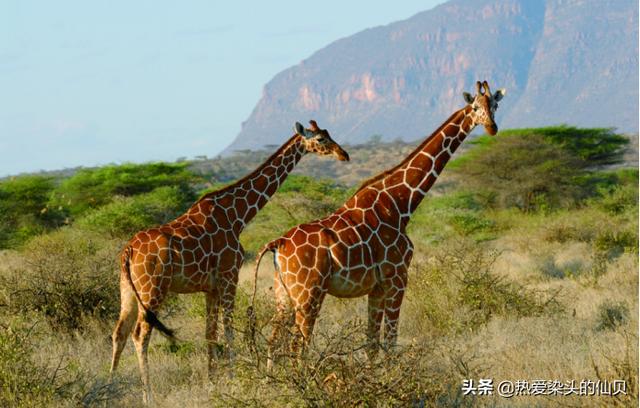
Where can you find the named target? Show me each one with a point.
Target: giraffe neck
(400, 190)
(241, 201)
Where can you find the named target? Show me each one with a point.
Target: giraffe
(363, 248)
(200, 252)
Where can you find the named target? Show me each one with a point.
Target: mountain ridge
(561, 62)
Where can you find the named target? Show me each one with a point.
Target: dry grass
(515, 333)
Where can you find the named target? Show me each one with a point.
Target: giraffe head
(319, 141)
(484, 105)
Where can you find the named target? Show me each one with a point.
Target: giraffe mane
(420, 147)
(248, 176)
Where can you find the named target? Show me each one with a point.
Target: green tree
(536, 168)
(127, 215)
(92, 188)
(24, 209)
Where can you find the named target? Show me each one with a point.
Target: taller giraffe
(200, 251)
(363, 248)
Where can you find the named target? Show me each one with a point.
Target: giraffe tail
(149, 316)
(251, 314)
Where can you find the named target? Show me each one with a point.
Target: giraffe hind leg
(141, 338)
(305, 318)
(128, 312)
(375, 312)
(281, 321)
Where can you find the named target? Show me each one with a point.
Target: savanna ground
(525, 268)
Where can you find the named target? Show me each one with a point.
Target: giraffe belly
(351, 284)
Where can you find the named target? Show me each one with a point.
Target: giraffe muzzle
(491, 129)
(342, 155)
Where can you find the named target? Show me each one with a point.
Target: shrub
(459, 290)
(127, 215)
(615, 242)
(92, 188)
(470, 223)
(460, 200)
(65, 276)
(611, 315)
(32, 374)
(24, 209)
(565, 230)
(487, 294)
(22, 382)
(551, 269)
(334, 371)
(618, 199)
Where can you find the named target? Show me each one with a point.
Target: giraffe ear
(302, 131)
(467, 97)
(500, 93)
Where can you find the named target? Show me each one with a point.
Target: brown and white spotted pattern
(363, 248)
(200, 251)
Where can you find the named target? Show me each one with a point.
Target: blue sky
(89, 83)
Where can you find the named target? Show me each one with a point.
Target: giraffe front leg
(376, 307)
(212, 302)
(227, 298)
(393, 301)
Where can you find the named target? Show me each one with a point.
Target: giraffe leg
(159, 287)
(393, 300)
(128, 311)
(306, 315)
(212, 301)
(375, 311)
(141, 337)
(280, 323)
(228, 296)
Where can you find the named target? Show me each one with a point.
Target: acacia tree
(534, 168)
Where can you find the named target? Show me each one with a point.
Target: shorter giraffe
(200, 251)
(363, 247)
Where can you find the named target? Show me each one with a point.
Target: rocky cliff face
(562, 61)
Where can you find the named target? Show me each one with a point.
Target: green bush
(458, 213)
(458, 200)
(92, 188)
(25, 209)
(470, 223)
(127, 215)
(619, 199)
(65, 276)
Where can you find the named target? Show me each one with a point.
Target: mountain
(562, 61)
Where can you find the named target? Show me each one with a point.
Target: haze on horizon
(87, 84)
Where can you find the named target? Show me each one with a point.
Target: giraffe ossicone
(363, 247)
(200, 251)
